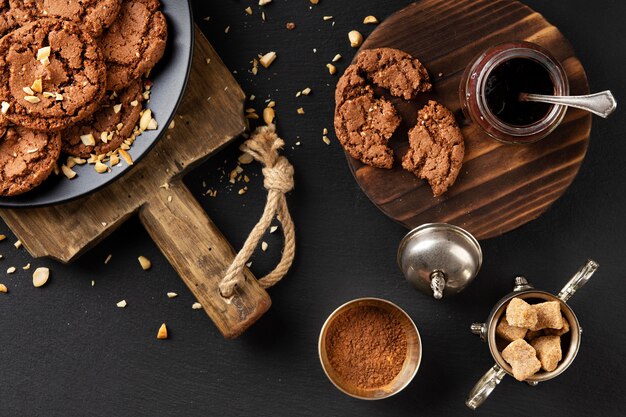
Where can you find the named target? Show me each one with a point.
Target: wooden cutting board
(500, 186)
(172, 216)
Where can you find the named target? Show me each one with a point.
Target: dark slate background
(67, 350)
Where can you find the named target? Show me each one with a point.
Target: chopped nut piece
(108, 258)
(32, 99)
(114, 160)
(355, 37)
(162, 333)
(43, 53)
(145, 119)
(88, 140)
(48, 94)
(40, 276)
(2, 237)
(242, 191)
(273, 229)
(314, 1)
(267, 59)
(29, 91)
(134, 103)
(153, 125)
(37, 86)
(306, 91)
(331, 69)
(144, 262)
(264, 246)
(268, 115)
(26, 267)
(325, 131)
(3, 289)
(337, 57)
(300, 110)
(100, 167)
(68, 172)
(248, 10)
(5, 107)
(370, 20)
(58, 97)
(126, 156)
(122, 304)
(328, 18)
(172, 295)
(264, 2)
(45, 62)
(196, 306)
(18, 244)
(326, 140)
(10, 270)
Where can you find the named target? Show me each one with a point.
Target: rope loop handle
(263, 146)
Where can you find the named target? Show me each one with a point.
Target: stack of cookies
(71, 82)
(364, 122)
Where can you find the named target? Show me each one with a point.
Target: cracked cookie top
(134, 43)
(52, 74)
(92, 15)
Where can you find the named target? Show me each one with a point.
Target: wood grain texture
(181, 229)
(500, 187)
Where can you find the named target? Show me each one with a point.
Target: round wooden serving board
(500, 186)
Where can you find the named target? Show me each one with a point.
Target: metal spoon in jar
(601, 104)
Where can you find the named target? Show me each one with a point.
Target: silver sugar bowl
(439, 259)
(487, 332)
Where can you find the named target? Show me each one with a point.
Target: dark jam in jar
(491, 84)
(507, 81)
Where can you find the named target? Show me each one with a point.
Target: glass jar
(474, 84)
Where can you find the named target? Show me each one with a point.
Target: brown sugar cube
(559, 332)
(522, 358)
(533, 334)
(521, 314)
(548, 316)
(508, 332)
(548, 351)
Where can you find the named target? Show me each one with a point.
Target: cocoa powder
(366, 346)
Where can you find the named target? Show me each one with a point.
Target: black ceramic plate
(169, 78)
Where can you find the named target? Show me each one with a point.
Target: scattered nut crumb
(196, 306)
(18, 244)
(355, 37)
(300, 110)
(26, 267)
(264, 246)
(10, 270)
(172, 295)
(40, 276)
(267, 59)
(122, 304)
(3, 289)
(144, 262)
(370, 20)
(248, 10)
(245, 158)
(273, 229)
(2, 237)
(264, 2)
(68, 172)
(331, 69)
(306, 91)
(268, 115)
(162, 333)
(326, 140)
(108, 259)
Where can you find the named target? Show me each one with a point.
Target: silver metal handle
(579, 279)
(484, 387)
(437, 284)
(601, 104)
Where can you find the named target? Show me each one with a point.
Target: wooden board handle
(200, 254)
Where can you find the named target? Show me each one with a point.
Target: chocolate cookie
(364, 125)
(351, 85)
(13, 13)
(436, 148)
(394, 70)
(50, 89)
(92, 15)
(124, 109)
(134, 43)
(27, 158)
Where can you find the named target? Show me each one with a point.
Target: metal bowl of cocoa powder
(370, 348)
